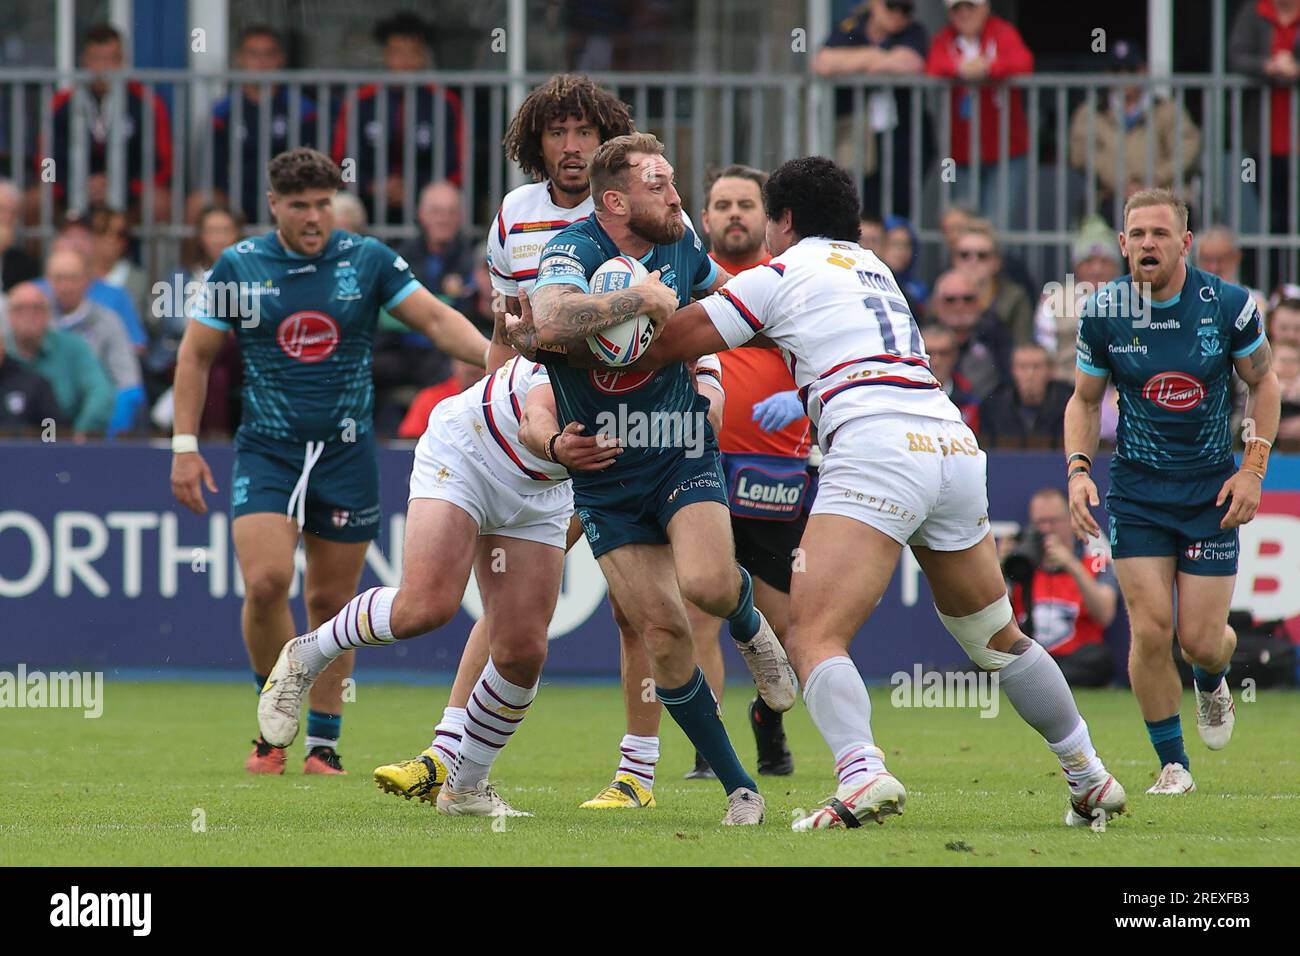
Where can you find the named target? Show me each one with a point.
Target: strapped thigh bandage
(974, 631)
(297, 507)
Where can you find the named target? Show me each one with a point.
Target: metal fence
(56, 135)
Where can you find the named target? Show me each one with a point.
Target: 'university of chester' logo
(1175, 391)
(613, 382)
(308, 336)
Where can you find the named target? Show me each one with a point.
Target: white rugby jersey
(844, 329)
(491, 408)
(527, 221)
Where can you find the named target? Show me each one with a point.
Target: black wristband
(1078, 456)
(1077, 471)
(550, 446)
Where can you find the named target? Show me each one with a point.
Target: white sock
(448, 735)
(494, 712)
(1078, 757)
(363, 622)
(837, 700)
(638, 756)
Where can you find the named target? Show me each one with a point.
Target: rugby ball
(621, 344)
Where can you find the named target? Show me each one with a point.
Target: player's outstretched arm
(1082, 432)
(444, 326)
(1263, 413)
(564, 315)
(688, 334)
(199, 349)
(540, 433)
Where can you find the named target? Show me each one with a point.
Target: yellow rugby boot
(625, 793)
(421, 776)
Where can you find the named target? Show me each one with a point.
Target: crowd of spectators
(86, 316)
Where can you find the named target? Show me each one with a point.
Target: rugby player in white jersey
(900, 469)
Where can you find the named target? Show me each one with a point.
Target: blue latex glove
(776, 411)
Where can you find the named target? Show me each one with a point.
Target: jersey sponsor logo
(244, 247)
(1211, 345)
(1175, 391)
(1132, 348)
(400, 264)
(1166, 324)
(1211, 551)
(1247, 314)
(612, 382)
(1207, 294)
(308, 269)
(308, 336)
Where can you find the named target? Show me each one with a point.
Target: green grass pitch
(133, 786)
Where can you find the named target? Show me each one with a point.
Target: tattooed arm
(562, 315)
(1263, 411)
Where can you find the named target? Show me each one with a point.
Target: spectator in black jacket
(15, 265)
(435, 123)
(259, 50)
(27, 402)
(1028, 411)
(981, 341)
(93, 116)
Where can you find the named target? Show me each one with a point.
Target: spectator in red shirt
(1073, 596)
(1265, 43)
(977, 46)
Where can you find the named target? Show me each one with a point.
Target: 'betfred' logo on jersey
(616, 383)
(1175, 391)
(308, 336)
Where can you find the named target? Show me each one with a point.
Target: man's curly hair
(562, 96)
(820, 196)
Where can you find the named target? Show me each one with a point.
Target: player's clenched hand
(579, 452)
(189, 474)
(1083, 497)
(519, 331)
(1244, 488)
(660, 301)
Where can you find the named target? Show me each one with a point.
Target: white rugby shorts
(920, 480)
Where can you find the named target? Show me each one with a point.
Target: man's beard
(656, 230)
(741, 245)
(578, 190)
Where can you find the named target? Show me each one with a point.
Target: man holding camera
(1071, 598)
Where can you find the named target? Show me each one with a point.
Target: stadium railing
(704, 121)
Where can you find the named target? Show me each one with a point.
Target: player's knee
(1202, 644)
(1151, 634)
(666, 642)
(267, 586)
(711, 589)
(974, 632)
(323, 604)
(523, 654)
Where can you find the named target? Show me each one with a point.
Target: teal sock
(696, 712)
(323, 729)
(260, 679)
(1167, 737)
(1206, 681)
(744, 619)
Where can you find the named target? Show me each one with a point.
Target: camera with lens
(1025, 558)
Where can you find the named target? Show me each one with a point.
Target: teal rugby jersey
(571, 258)
(1174, 375)
(307, 358)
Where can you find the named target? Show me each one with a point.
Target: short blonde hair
(1146, 198)
(609, 164)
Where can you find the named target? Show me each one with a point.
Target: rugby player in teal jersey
(302, 302)
(1170, 336)
(657, 520)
